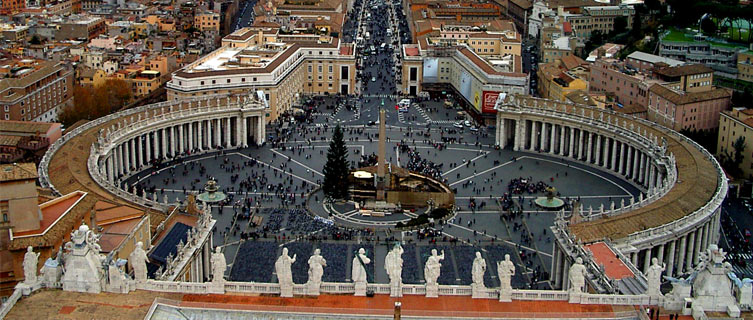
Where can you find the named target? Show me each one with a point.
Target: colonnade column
(200, 138)
(140, 153)
(681, 255)
(572, 142)
(262, 130)
(148, 143)
(660, 254)
(552, 135)
(110, 169)
(581, 139)
(636, 160)
(698, 237)
(227, 132)
(597, 155)
(164, 142)
(155, 137)
(614, 155)
(190, 137)
(218, 133)
(646, 260)
(671, 259)
(244, 131)
(118, 162)
(605, 153)
(210, 133)
(622, 158)
(561, 151)
(691, 251)
(705, 243)
(238, 125)
(533, 136)
(590, 143)
(173, 143)
(181, 146)
(126, 157)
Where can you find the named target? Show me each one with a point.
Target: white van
(403, 105)
(382, 46)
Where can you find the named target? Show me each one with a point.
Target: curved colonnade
(684, 185)
(130, 141)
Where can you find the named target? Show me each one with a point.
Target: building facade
(37, 94)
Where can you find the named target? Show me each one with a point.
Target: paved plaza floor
(277, 177)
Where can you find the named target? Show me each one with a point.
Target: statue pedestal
(217, 287)
(27, 288)
(745, 294)
(360, 289)
(505, 296)
(575, 297)
(477, 291)
(396, 290)
(286, 290)
(432, 290)
(312, 289)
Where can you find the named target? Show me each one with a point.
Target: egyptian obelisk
(381, 170)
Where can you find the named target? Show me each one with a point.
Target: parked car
(467, 123)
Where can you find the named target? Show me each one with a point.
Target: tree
(731, 161)
(35, 40)
(336, 170)
(620, 24)
(90, 103)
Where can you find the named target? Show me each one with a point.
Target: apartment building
(519, 11)
(14, 33)
(560, 78)
(33, 90)
(11, 7)
(496, 39)
(81, 27)
(734, 124)
(599, 18)
(680, 110)
(557, 41)
(207, 21)
(283, 67)
(629, 86)
(745, 65)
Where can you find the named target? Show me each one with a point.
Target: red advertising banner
(490, 99)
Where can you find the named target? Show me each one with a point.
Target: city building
(26, 141)
(283, 67)
(745, 65)
(458, 69)
(717, 54)
(34, 90)
(628, 85)
(560, 78)
(207, 21)
(735, 124)
(599, 18)
(645, 62)
(14, 33)
(81, 28)
(557, 40)
(519, 11)
(695, 110)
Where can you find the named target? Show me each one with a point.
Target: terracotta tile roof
(689, 97)
(9, 141)
(17, 171)
(485, 66)
(52, 212)
(32, 127)
(683, 70)
(572, 61)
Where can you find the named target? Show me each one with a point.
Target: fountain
(210, 194)
(549, 202)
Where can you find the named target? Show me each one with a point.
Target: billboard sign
(489, 100)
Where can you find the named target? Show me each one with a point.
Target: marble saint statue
(654, 277)
(433, 267)
(358, 271)
(138, 259)
(31, 259)
(282, 267)
(393, 264)
(477, 270)
(219, 265)
(316, 268)
(505, 271)
(577, 276)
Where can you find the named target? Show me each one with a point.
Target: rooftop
(647, 57)
(18, 171)
(47, 304)
(613, 267)
(52, 212)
